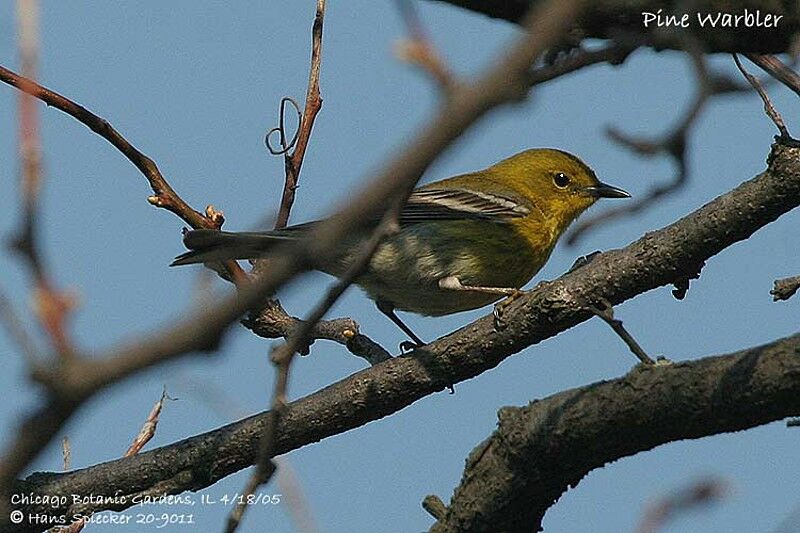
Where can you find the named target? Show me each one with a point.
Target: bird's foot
(500, 307)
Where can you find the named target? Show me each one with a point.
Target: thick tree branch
(653, 261)
(606, 19)
(542, 449)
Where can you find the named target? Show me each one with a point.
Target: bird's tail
(207, 245)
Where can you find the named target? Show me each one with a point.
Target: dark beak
(602, 190)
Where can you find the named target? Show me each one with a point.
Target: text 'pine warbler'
(464, 242)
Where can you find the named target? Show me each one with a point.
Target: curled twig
(281, 128)
(301, 335)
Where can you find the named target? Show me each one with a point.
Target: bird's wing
(428, 204)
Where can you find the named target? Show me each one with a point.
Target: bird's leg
(388, 309)
(406, 346)
(511, 294)
(454, 284)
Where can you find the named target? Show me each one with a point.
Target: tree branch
(271, 321)
(775, 68)
(164, 195)
(653, 261)
(606, 19)
(548, 446)
(294, 161)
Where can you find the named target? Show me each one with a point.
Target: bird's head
(556, 182)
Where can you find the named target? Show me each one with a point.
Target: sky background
(196, 86)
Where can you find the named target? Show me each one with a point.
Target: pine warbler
(464, 242)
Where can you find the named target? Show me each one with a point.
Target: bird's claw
(500, 307)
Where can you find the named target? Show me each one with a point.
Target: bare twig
(419, 50)
(699, 494)
(606, 312)
(769, 109)
(294, 161)
(785, 288)
(66, 452)
(149, 427)
(164, 196)
(674, 143)
(29, 144)
(77, 525)
(775, 68)
(271, 321)
(52, 306)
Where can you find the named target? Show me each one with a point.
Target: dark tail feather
(206, 245)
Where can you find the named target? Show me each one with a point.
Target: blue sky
(196, 87)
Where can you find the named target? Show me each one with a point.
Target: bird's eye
(561, 180)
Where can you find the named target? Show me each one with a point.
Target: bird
(463, 242)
